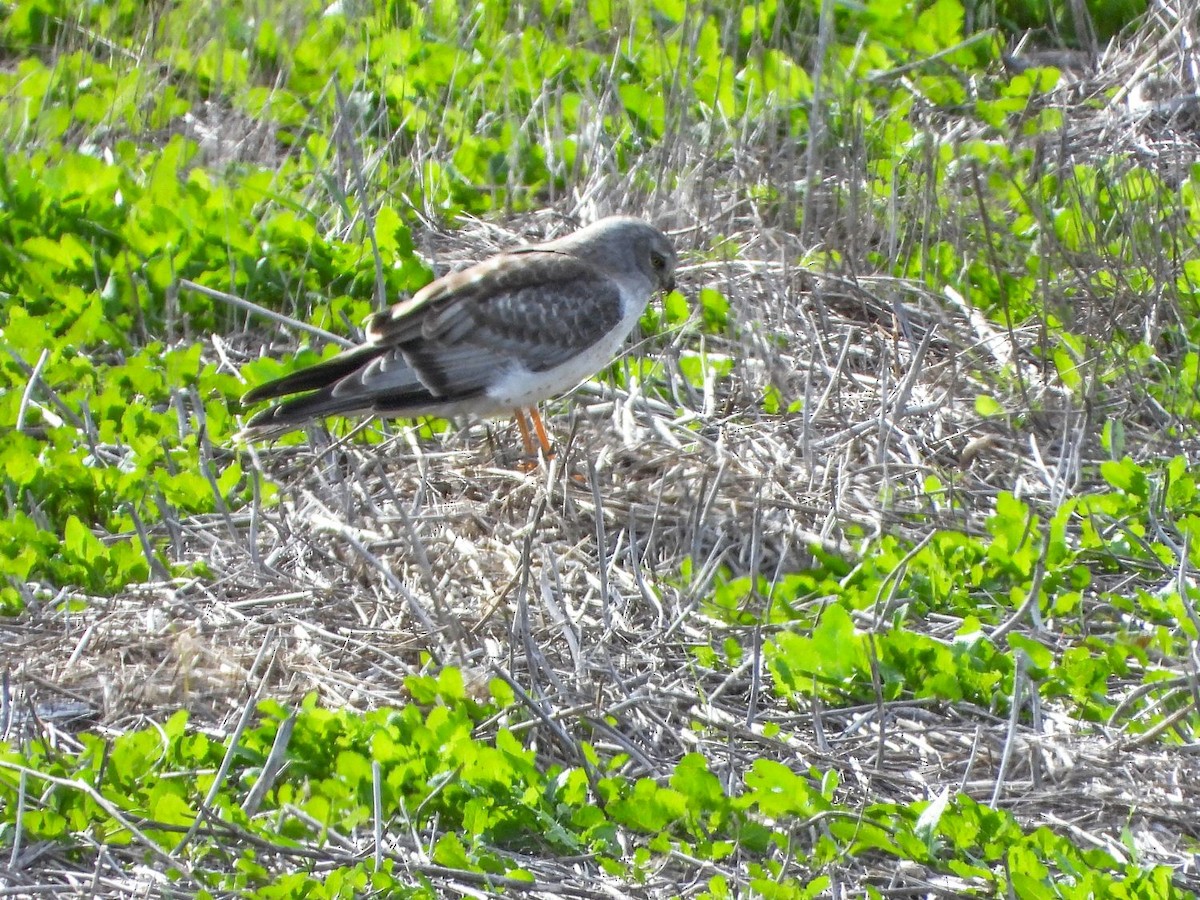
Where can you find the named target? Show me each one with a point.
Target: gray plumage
(499, 336)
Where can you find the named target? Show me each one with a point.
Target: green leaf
(701, 787)
(649, 808)
(1040, 658)
(1126, 475)
(988, 406)
(168, 807)
(82, 545)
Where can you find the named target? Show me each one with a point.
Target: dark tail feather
(294, 412)
(322, 375)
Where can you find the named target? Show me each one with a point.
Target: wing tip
(257, 394)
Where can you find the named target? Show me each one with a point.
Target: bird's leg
(519, 415)
(543, 439)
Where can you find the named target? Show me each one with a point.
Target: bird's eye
(658, 261)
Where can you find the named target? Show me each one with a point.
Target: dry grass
(385, 560)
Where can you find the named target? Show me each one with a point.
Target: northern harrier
(495, 338)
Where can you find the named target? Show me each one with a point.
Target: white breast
(519, 387)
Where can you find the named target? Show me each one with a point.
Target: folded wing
(453, 338)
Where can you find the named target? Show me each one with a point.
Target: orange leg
(543, 439)
(519, 415)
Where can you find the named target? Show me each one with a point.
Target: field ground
(868, 571)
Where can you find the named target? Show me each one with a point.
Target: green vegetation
(496, 811)
(897, 546)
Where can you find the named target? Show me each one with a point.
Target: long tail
(294, 412)
(322, 375)
(319, 380)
